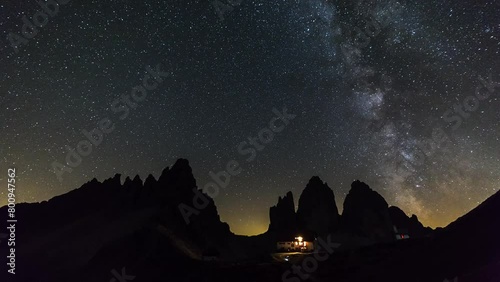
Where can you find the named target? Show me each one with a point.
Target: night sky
(369, 83)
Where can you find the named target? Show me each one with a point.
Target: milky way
(401, 95)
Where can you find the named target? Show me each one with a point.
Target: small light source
(299, 238)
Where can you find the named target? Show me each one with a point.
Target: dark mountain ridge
(87, 232)
(366, 215)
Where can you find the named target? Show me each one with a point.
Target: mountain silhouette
(366, 214)
(282, 217)
(168, 229)
(317, 211)
(366, 219)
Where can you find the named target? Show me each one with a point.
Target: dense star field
(401, 95)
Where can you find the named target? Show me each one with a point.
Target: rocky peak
(282, 215)
(179, 178)
(366, 213)
(149, 183)
(317, 211)
(113, 183)
(137, 180)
